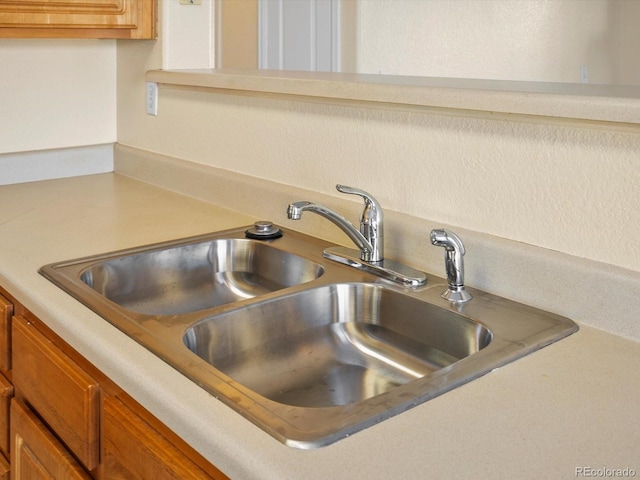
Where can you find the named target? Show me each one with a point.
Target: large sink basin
(197, 276)
(309, 350)
(336, 344)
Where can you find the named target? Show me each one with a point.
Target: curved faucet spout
(369, 239)
(294, 212)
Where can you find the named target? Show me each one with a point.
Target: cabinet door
(6, 312)
(78, 18)
(6, 393)
(5, 468)
(63, 394)
(133, 450)
(35, 452)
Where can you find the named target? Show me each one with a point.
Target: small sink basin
(188, 278)
(337, 344)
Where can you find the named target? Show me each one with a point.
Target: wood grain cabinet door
(133, 450)
(6, 394)
(5, 468)
(78, 18)
(36, 454)
(6, 312)
(63, 394)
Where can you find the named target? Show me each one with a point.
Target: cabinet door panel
(88, 18)
(35, 452)
(62, 393)
(133, 450)
(5, 468)
(6, 393)
(6, 312)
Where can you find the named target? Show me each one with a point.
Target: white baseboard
(57, 163)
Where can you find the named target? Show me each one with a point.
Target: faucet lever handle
(371, 221)
(373, 209)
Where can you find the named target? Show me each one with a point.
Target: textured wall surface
(565, 187)
(534, 40)
(56, 93)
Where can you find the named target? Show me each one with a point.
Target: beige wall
(534, 40)
(238, 34)
(531, 40)
(56, 93)
(631, 41)
(567, 188)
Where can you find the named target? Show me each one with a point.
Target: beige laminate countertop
(572, 405)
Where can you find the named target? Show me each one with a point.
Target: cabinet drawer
(6, 393)
(5, 468)
(63, 394)
(36, 453)
(6, 312)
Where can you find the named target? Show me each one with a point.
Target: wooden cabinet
(78, 18)
(6, 387)
(6, 312)
(5, 469)
(69, 421)
(36, 453)
(62, 393)
(132, 449)
(6, 394)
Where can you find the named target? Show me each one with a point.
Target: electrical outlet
(584, 74)
(152, 98)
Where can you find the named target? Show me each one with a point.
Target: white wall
(188, 35)
(56, 93)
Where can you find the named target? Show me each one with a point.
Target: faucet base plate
(387, 269)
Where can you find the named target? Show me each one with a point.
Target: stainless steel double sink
(309, 350)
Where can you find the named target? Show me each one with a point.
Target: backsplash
(594, 293)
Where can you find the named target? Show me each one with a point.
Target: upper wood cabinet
(78, 18)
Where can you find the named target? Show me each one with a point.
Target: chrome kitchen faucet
(369, 239)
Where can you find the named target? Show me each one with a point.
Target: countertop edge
(617, 106)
